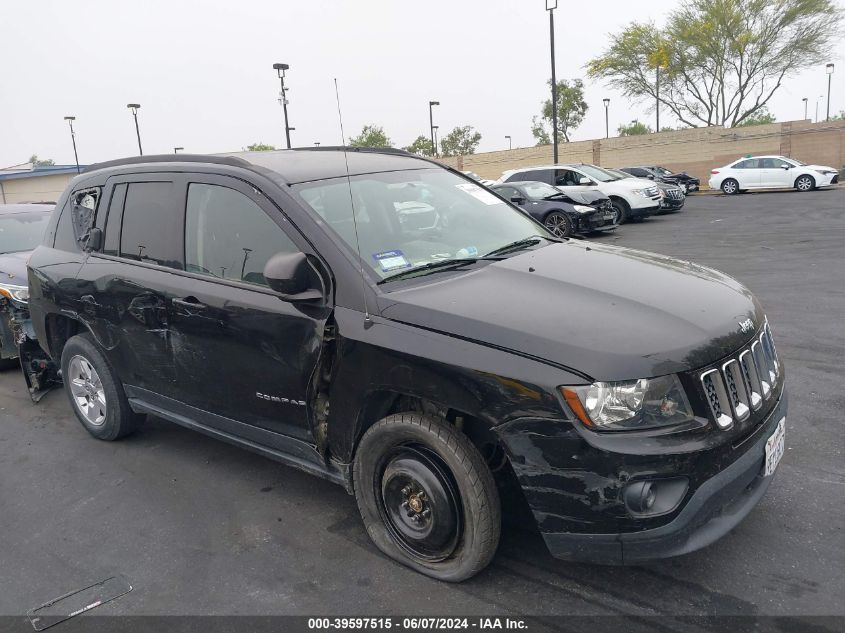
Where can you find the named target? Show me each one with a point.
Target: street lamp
(551, 5)
(435, 128)
(829, 71)
(176, 150)
(817, 107)
(431, 104)
(70, 120)
(134, 107)
(805, 107)
(510, 143)
(283, 97)
(606, 102)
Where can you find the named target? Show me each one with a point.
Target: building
(30, 183)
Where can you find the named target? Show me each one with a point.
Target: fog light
(639, 497)
(653, 498)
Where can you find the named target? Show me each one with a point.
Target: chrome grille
(743, 382)
(675, 194)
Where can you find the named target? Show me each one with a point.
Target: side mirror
(787, 167)
(650, 176)
(291, 275)
(583, 180)
(94, 240)
(518, 200)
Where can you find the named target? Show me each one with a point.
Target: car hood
(819, 168)
(13, 268)
(586, 197)
(626, 184)
(605, 312)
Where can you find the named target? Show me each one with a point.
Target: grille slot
(743, 382)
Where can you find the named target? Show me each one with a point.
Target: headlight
(639, 192)
(825, 172)
(15, 293)
(582, 208)
(631, 404)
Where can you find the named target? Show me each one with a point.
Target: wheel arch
(59, 329)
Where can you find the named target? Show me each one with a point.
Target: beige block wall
(37, 189)
(696, 151)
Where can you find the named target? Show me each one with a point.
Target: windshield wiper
(520, 244)
(445, 264)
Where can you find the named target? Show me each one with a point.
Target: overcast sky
(202, 71)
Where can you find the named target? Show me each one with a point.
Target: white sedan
(771, 172)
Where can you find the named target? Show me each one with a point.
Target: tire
(558, 223)
(622, 210)
(805, 183)
(730, 186)
(409, 464)
(89, 378)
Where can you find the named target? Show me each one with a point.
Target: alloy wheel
(89, 397)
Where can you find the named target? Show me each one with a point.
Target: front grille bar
(743, 383)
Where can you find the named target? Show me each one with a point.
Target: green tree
(371, 136)
(758, 118)
(259, 147)
(838, 117)
(719, 61)
(635, 128)
(571, 109)
(37, 162)
(460, 141)
(421, 146)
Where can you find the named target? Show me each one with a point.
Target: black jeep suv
(384, 322)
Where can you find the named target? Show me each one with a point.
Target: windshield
(794, 161)
(21, 231)
(619, 174)
(597, 173)
(541, 190)
(408, 219)
(661, 171)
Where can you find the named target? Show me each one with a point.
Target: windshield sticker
(469, 251)
(477, 192)
(391, 260)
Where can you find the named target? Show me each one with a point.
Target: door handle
(189, 302)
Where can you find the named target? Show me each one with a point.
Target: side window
(567, 178)
(151, 229)
(750, 163)
(83, 208)
(777, 163)
(113, 220)
(229, 236)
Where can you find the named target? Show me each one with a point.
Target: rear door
(747, 173)
(125, 288)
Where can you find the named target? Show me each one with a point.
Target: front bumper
(717, 506)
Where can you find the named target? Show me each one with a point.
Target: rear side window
(77, 218)
(151, 229)
(751, 163)
(229, 236)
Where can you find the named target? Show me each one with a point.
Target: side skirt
(287, 450)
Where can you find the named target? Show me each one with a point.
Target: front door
(239, 350)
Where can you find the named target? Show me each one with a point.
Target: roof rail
(348, 148)
(170, 158)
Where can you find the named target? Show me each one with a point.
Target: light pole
(510, 142)
(829, 70)
(316, 143)
(431, 104)
(176, 150)
(551, 5)
(283, 97)
(805, 107)
(134, 107)
(435, 128)
(817, 107)
(70, 120)
(606, 102)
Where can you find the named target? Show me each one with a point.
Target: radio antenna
(367, 321)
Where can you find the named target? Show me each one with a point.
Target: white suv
(771, 172)
(633, 198)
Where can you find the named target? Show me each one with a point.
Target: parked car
(559, 213)
(277, 303)
(672, 197)
(771, 172)
(21, 229)
(633, 199)
(682, 179)
(477, 178)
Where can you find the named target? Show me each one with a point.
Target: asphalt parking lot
(200, 527)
